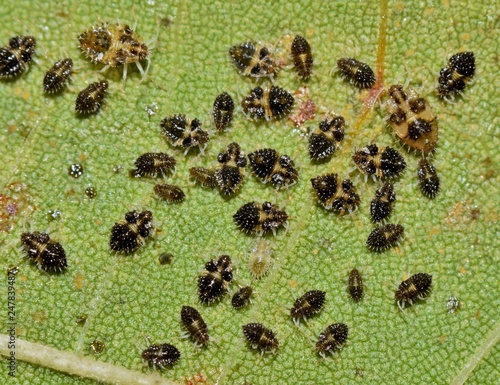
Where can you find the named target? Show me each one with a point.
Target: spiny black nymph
(48, 254)
(130, 234)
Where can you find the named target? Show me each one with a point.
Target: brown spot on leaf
(79, 281)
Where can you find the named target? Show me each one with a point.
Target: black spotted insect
(309, 304)
(56, 78)
(412, 119)
(415, 287)
(15, 57)
(204, 176)
(214, 281)
(355, 285)
(153, 164)
(169, 193)
(222, 111)
(428, 179)
(324, 141)
(195, 325)
(254, 60)
(332, 338)
(242, 297)
(267, 103)
(384, 237)
(302, 57)
(359, 74)
(260, 337)
(46, 253)
(260, 218)
(161, 355)
(270, 166)
(381, 205)
(456, 75)
(231, 171)
(128, 235)
(184, 132)
(334, 194)
(90, 99)
(380, 162)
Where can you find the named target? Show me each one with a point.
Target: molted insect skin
(412, 119)
(355, 286)
(48, 254)
(128, 235)
(114, 45)
(222, 111)
(56, 78)
(260, 260)
(15, 57)
(322, 142)
(214, 281)
(153, 164)
(231, 172)
(302, 57)
(428, 179)
(385, 237)
(260, 217)
(381, 205)
(333, 195)
(260, 337)
(358, 73)
(183, 132)
(381, 162)
(169, 193)
(253, 60)
(242, 297)
(195, 325)
(90, 99)
(161, 355)
(204, 176)
(271, 166)
(309, 304)
(415, 287)
(268, 103)
(332, 338)
(459, 72)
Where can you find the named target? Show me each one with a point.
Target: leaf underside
(452, 237)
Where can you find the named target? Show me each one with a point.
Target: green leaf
(454, 237)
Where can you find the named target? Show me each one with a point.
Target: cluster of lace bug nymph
(457, 74)
(260, 337)
(380, 162)
(267, 103)
(195, 325)
(231, 171)
(90, 99)
(334, 194)
(307, 305)
(128, 235)
(214, 281)
(270, 166)
(324, 141)
(412, 119)
(260, 218)
(46, 253)
(56, 78)
(15, 57)
(184, 132)
(415, 287)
